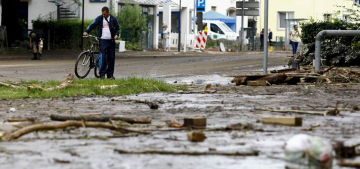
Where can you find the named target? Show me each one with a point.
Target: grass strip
(90, 87)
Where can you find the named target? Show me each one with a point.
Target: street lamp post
(266, 10)
(82, 25)
(179, 43)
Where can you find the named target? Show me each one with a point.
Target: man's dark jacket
(113, 26)
(270, 35)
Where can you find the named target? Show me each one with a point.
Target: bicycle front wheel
(96, 67)
(83, 65)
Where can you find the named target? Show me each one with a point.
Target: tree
(132, 22)
(353, 13)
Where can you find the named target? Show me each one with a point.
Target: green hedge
(337, 51)
(64, 34)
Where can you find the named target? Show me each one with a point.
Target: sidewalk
(159, 53)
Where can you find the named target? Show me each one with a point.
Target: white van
(219, 30)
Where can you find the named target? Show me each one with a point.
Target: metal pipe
(323, 33)
(266, 11)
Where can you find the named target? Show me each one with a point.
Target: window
(213, 8)
(225, 27)
(282, 16)
(215, 28)
(327, 17)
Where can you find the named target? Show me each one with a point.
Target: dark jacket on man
(39, 35)
(270, 35)
(113, 25)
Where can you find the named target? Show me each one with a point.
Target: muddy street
(224, 106)
(57, 64)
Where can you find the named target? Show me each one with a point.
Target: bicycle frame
(91, 52)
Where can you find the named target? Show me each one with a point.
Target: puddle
(200, 80)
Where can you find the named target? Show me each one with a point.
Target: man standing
(36, 38)
(108, 31)
(262, 40)
(270, 37)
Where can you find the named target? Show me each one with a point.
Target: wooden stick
(292, 111)
(9, 85)
(56, 117)
(327, 109)
(66, 81)
(192, 153)
(62, 125)
(348, 164)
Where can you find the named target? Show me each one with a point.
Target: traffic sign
(248, 12)
(200, 5)
(248, 4)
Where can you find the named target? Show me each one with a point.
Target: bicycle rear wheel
(83, 65)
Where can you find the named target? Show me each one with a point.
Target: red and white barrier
(200, 40)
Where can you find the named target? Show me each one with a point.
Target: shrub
(336, 50)
(64, 34)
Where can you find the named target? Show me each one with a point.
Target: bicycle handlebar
(97, 38)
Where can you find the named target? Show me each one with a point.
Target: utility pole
(179, 43)
(82, 25)
(242, 25)
(266, 11)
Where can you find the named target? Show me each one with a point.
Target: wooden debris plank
(282, 120)
(257, 83)
(195, 121)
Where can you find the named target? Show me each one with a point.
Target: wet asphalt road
(55, 66)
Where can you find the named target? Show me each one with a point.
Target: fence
(251, 44)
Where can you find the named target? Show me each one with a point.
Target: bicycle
(86, 60)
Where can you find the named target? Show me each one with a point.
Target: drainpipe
(323, 33)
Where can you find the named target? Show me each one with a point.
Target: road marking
(17, 65)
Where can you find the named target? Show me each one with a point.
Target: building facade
(319, 10)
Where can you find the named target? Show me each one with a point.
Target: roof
(152, 2)
(212, 15)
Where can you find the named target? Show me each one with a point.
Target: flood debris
(196, 136)
(151, 104)
(61, 161)
(195, 122)
(9, 85)
(282, 120)
(335, 111)
(31, 119)
(304, 151)
(343, 151)
(100, 118)
(348, 164)
(257, 83)
(294, 111)
(66, 124)
(63, 84)
(191, 153)
(328, 75)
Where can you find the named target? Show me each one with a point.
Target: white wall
(167, 16)
(93, 9)
(184, 23)
(39, 8)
